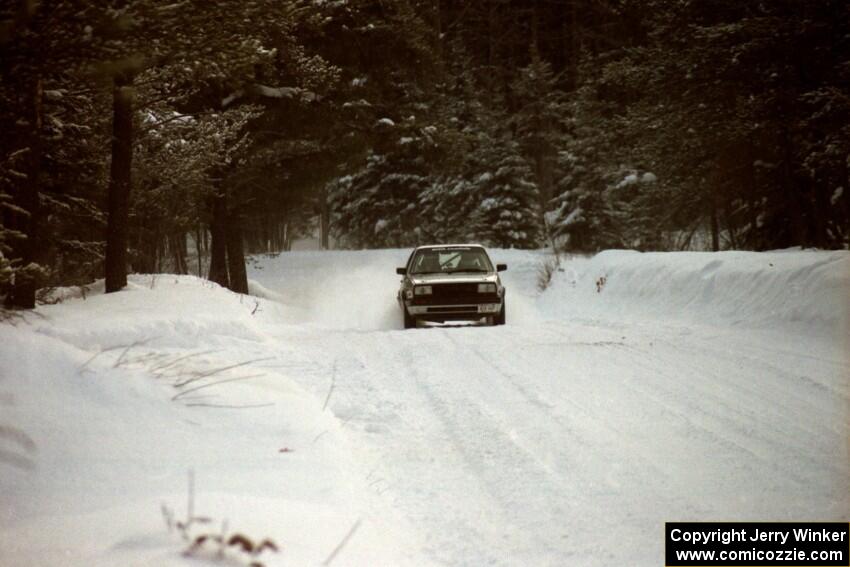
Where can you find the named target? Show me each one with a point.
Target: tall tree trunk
(535, 29)
(160, 254)
(118, 205)
(236, 253)
(274, 237)
(325, 221)
(438, 33)
(796, 203)
(751, 237)
(266, 243)
(820, 215)
(715, 228)
(492, 33)
(200, 251)
(218, 248)
(177, 243)
(571, 43)
(27, 249)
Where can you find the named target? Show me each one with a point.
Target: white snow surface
(638, 389)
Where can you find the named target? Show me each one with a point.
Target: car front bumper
(446, 312)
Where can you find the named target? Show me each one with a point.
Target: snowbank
(100, 425)
(805, 292)
(802, 291)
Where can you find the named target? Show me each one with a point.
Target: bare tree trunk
(199, 250)
(492, 33)
(715, 228)
(177, 242)
(118, 206)
(159, 254)
(218, 249)
(325, 220)
(438, 33)
(820, 215)
(571, 43)
(236, 253)
(146, 242)
(752, 202)
(535, 27)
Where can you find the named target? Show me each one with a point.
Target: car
(453, 282)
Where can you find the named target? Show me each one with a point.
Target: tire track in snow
(580, 482)
(612, 471)
(655, 389)
(751, 411)
(608, 431)
(484, 477)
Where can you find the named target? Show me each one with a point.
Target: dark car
(456, 282)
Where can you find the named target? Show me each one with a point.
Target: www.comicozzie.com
(757, 543)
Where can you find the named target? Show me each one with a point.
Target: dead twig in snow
(331, 389)
(110, 349)
(215, 371)
(156, 369)
(227, 406)
(120, 359)
(342, 543)
(179, 395)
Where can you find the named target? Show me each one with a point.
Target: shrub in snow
(600, 283)
(242, 546)
(546, 271)
(219, 545)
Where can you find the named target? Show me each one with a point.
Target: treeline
(660, 124)
(160, 135)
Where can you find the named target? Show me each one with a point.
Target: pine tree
(507, 212)
(539, 124)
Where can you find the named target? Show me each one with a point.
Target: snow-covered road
(556, 440)
(638, 389)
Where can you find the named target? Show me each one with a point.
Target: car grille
(455, 289)
(447, 309)
(455, 294)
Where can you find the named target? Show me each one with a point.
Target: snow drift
(804, 291)
(97, 434)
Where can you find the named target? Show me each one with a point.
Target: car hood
(428, 279)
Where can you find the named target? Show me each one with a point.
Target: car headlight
(423, 290)
(408, 294)
(486, 288)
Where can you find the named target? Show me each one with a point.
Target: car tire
(409, 322)
(500, 318)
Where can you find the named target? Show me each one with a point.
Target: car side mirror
(501, 267)
(401, 271)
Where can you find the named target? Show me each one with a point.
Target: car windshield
(450, 261)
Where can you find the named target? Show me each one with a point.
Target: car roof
(429, 246)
